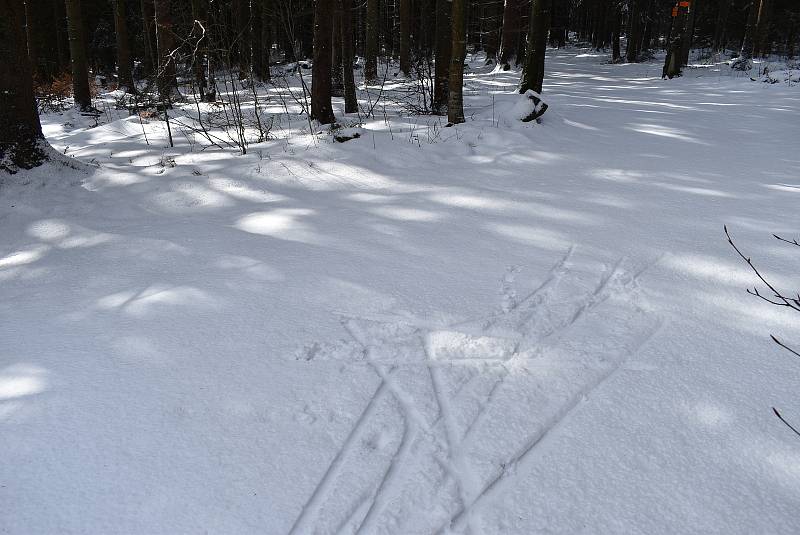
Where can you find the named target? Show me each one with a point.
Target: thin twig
(796, 432)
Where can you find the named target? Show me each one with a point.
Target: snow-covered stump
(530, 107)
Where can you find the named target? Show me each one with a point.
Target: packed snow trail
(492, 328)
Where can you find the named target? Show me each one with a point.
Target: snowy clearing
(492, 328)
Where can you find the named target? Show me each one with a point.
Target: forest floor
(492, 328)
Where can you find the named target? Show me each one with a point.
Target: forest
(399, 266)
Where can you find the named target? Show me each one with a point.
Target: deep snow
(492, 328)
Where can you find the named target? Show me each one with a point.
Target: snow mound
(529, 106)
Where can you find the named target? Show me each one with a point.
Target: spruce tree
(77, 52)
(533, 71)
(371, 41)
(124, 62)
(22, 145)
(321, 107)
(444, 42)
(455, 97)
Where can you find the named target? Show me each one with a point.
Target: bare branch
(793, 241)
(784, 346)
(782, 301)
(796, 432)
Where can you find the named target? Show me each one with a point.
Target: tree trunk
(77, 52)
(22, 145)
(150, 59)
(266, 38)
(288, 33)
(62, 41)
(719, 41)
(749, 31)
(533, 72)
(124, 62)
(165, 42)
(688, 35)
(256, 38)
(442, 64)
(512, 13)
(31, 41)
(200, 31)
(321, 108)
(337, 82)
(346, 39)
(634, 35)
(241, 37)
(559, 20)
(307, 35)
(672, 63)
(649, 22)
(761, 36)
(616, 24)
(371, 44)
(492, 29)
(455, 97)
(405, 37)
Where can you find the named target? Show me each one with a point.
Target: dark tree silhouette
(22, 145)
(321, 107)
(77, 53)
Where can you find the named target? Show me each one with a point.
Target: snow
(496, 327)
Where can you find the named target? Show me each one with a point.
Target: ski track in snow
(449, 384)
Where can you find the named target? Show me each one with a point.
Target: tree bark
(533, 71)
(672, 63)
(241, 37)
(649, 12)
(719, 41)
(321, 108)
(200, 30)
(150, 59)
(512, 14)
(77, 52)
(62, 41)
(31, 41)
(491, 44)
(688, 35)
(749, 32)
(455, 97)
(443, 47)
(559, 21)
(165, 42)
(616, 25)
(256, 38)
(261, 31)
(405, 36)
(337, 82)
(124, 62)
(634, 35)
(346, 38)
(761, 36)
(22, 145)
(266, 38)
(371, 45)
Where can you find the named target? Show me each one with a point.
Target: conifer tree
(22, 145)
(321, 107)
(77, 53)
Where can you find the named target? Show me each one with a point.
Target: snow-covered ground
(492, 328)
